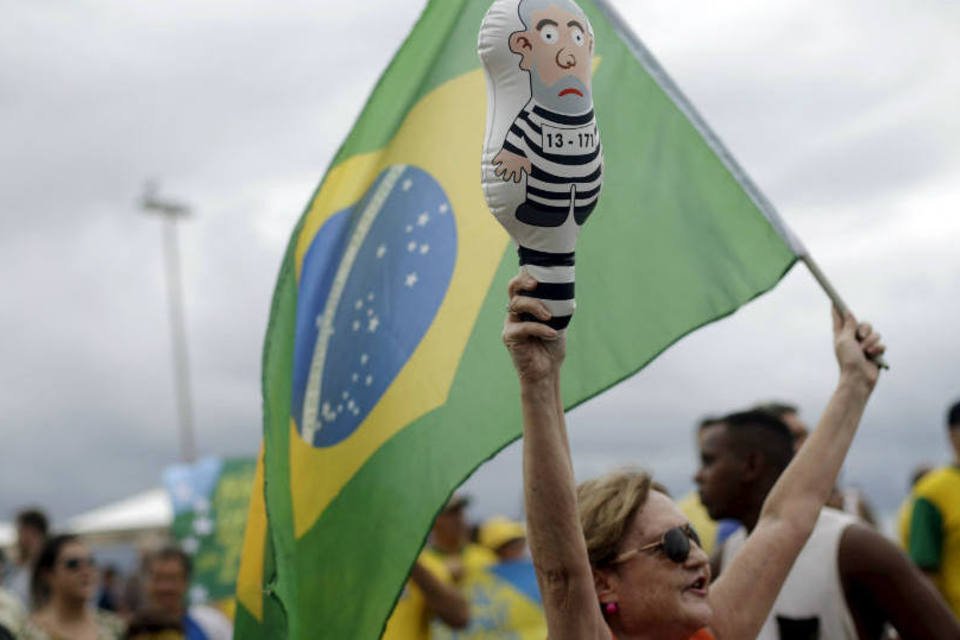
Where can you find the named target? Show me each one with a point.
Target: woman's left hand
(537, 350)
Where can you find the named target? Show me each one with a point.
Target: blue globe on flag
(371, 283)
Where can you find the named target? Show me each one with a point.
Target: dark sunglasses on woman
(674, 543)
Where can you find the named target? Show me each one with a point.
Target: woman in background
(63, 584)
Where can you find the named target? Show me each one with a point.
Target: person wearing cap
(428, 595)
(450, 541)
(505, 537)
(432, 596)
(504, 597)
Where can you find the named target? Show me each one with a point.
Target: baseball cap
(498, 530)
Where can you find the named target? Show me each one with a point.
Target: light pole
(172, 212)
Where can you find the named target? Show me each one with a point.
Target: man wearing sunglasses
(848, 581)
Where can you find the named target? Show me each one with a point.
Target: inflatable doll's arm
(510, 166)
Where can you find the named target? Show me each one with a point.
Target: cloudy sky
(844, 115)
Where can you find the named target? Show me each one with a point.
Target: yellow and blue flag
(504, 603)
(384, 381)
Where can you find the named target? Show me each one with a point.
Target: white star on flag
(407, 184)
(411, 279)
(424, 248)
(364, 358)
(443, 208)
(203, 526)
(374, 323)
(411, 246)
(184, 491)
(381, 250)
(358, 304)
(356, 325)
(190, 545)
(423, 219)
(409, 228)
(368, 380)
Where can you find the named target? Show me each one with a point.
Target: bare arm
(444, 600)
(743, 596)
(556, 541)
(882, 585)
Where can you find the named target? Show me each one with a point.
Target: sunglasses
(674, 543)
(77, 563)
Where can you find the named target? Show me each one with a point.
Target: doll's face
(557, 50)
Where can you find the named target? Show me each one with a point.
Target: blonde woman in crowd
(628, 565)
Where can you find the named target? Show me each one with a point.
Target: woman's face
(652, 591)
(73, 575)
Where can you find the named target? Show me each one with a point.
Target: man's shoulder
(866, 555)
(211, 621)
(939, 483)
(831, 518)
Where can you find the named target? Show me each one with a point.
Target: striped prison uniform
(558, 184)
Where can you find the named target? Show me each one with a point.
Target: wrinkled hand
(537, 350)
(510, 166)
(856, 344)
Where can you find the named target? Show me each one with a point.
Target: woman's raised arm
(556, 539)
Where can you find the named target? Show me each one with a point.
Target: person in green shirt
(935, 524)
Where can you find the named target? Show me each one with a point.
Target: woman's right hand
(537, 350)
(857, 346)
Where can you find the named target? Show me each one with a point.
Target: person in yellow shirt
(905, 512)
(935, 521)
(428, 594)
(432, 595)
(504, 597)
(450, 541)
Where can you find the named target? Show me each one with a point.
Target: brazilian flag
(384, 381)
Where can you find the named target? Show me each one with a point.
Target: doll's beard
(569, 104)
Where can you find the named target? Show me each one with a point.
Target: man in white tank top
(848, 581)
(812, 597)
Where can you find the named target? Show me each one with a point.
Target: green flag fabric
(384, 381)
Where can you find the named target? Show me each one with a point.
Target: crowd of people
(768, 546)
(616, 557)
(53, 590)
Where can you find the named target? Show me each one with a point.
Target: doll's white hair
(527, 7)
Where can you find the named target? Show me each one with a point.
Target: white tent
(140, 519)
(8, 535)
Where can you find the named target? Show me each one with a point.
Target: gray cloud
(844, 116)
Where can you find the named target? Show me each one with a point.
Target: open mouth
(570, 91)
(699, 585)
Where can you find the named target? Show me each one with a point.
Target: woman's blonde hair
(607, 506)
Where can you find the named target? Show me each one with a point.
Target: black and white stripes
(565, 154)
(555, 274)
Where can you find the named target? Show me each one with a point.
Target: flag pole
(834, 296)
